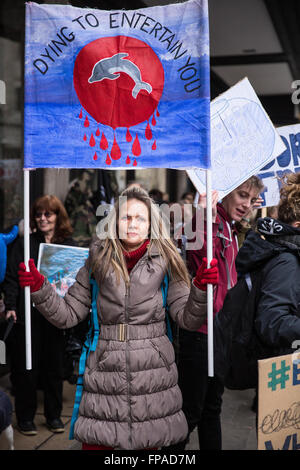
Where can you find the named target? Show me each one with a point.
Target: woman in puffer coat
(130, 399)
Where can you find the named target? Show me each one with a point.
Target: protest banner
(10, 176)
(243, 139)
(279, 403)
(60, 264)
(117, 89)
(287, 162)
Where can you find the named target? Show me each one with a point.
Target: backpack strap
(89, 345)
(248, 281)
(223, 239)
(164, 290)
(10, 324)
(95, 322)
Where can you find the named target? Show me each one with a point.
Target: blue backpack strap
(95, 322)
(164, 290)
(79, 387)
(90, 344)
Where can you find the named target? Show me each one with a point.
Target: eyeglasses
(47, 214)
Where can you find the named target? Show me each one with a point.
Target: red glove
(207, 275)
(33, 278)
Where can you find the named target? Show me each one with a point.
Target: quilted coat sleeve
(187, 306)
(68, 311)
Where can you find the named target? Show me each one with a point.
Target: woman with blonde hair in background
(130, 398)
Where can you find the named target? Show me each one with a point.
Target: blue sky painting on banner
(117, 89)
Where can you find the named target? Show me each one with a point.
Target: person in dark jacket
(49, 224)
(202, 395)
(275, 249)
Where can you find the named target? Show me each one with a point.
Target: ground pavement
(238, 423)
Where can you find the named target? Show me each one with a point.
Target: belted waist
(125, 332)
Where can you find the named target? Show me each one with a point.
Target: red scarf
(132, 257)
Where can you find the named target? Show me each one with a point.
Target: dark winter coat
(276, 250)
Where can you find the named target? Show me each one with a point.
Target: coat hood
(272, 237)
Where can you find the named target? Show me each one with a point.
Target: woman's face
(240, 202)
(45, 221)
(133, 224)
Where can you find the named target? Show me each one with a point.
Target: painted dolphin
(107, 69)
(5, 239)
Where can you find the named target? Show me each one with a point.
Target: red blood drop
(135, 162)
(153, 122)
(148, 132)
(86, 122)
(97, 132)
(115, 152)
(136, 147)
(127, 160)
(108, 160)
(103, 142)
(95, 156)
(84, 137)
(128, 136)
(92, 140)
(154, 145)
(157, 113)
(80, 114)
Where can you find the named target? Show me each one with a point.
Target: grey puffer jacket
(131, 399)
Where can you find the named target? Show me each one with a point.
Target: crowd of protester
(133, 368)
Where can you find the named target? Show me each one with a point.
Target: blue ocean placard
(117, 89)
(60, 264)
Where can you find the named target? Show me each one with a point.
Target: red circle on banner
(133, 95)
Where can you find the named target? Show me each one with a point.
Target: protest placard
(279, 403)
(117, 89)
(60, 264)
(287, 162)
(243, 139)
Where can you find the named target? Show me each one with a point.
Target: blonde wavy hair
(110, 252)
(289, 204)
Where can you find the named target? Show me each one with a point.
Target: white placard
(287, 162)
(243, 140)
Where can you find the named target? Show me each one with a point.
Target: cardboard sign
(243, 140)
(287, 162)
(279, 403)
